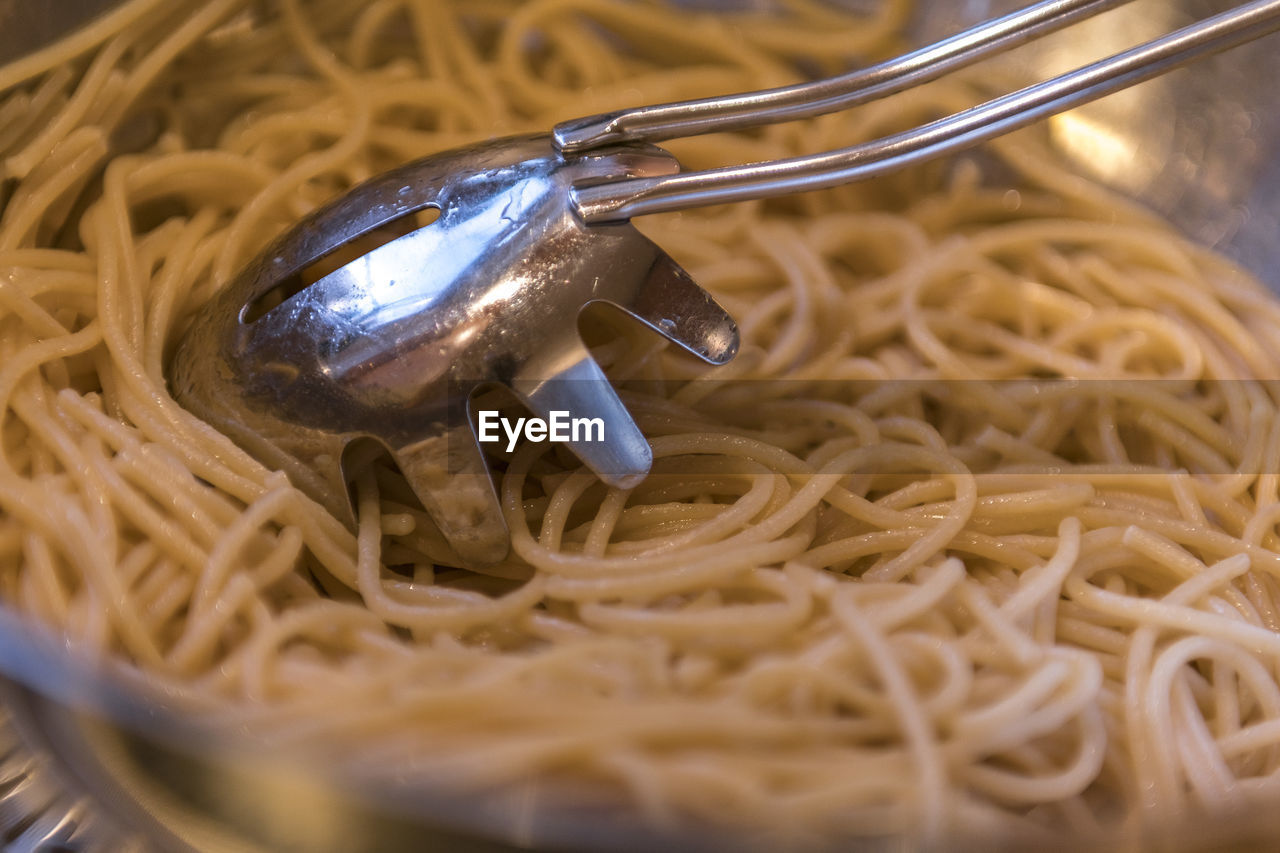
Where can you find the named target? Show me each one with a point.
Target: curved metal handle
(624, 199)
(806, 100)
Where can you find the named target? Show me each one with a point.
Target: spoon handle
(621, 200)
(806, 100)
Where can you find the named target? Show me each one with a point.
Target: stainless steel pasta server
(391, 345)
(390, 342)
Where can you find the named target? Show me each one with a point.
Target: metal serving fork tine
(621, 200)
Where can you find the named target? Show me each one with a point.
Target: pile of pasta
(975, 539)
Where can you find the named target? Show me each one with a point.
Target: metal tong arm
(621, 200)
(806, 100)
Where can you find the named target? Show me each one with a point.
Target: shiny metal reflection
(1203, 142)
(391, 345)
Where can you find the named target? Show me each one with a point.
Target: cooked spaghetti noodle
(888, 577)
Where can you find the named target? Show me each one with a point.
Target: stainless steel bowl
(1201, 147)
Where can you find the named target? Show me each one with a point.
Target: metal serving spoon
(390, 342)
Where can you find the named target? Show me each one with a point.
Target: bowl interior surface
(1200, 146)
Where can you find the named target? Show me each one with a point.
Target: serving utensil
(371, 321)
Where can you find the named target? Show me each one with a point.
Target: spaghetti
(889, 577)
